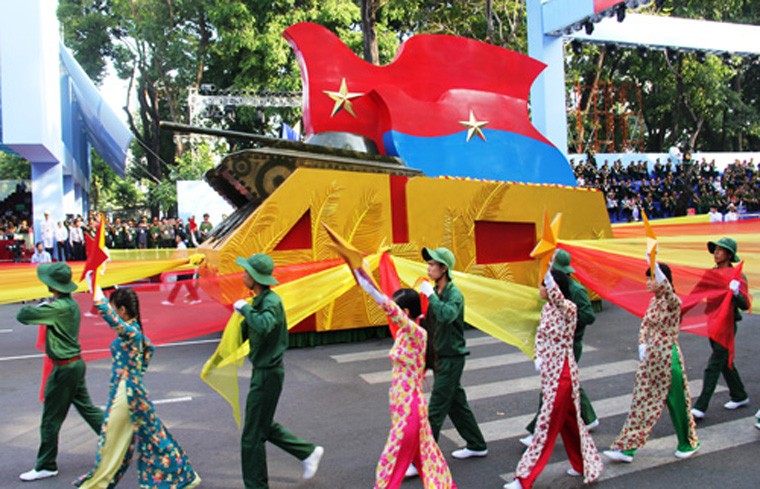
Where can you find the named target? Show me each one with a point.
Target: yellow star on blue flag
(474, 126)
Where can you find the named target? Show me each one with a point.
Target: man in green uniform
(445, 321)
(586, 316)
(266, 329)
(66, 385)
(724, 255)
(204, 229)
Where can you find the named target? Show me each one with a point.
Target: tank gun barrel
(225, 133)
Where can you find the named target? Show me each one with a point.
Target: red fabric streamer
(707, 308)
(181, 310)
(96, 255)
(47, 363)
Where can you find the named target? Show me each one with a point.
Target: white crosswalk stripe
(471, 364)
(659, 451)
(515, 425)
(383, 352)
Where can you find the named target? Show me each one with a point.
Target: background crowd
(671, 188)
(65, 240)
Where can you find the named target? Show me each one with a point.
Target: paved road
(337, 396)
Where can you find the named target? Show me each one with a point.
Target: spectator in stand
(130, 235)
(715, 216)
(731, 215)
(155, 234)
(41, 255)
(142, 233)
(167, 234)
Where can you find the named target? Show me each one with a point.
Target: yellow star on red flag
(474, 126)
(342, 98)
(544, 249)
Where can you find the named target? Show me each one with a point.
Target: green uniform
(586, 316)
(266, 328)
(718, 364)
(66, 385)
(204, 229)
(445, 321)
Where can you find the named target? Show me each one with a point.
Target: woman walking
(661, 376)
(131, 422)
(410, 439)
(560, 410)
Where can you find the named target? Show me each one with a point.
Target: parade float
(434, 149)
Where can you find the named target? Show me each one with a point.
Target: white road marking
(470, 364)
(178, 343)
(660, 451)
(383, 352)
(532, 383)
(515, 425)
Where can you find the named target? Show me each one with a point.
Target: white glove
(97, 292)
(549, 282)
(537, 364)
(427, 289)
(734, 286)
(88, 279)
(239, 304)
(642, 351)
(369, 288)
(554, 256)
(658, 275)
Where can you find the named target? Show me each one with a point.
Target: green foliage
(167, 47)
(14, 167)
(109, 192)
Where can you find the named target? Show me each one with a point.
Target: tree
(13, 167)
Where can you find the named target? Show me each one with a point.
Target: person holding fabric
(131, 422)
(266, 328)
(586, 316)
(410, 438)
(661, 376)
(724, 255)
(66, 384)
(445, 321)
(560, 409)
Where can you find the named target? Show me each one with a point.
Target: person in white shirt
(731, 215)
(715, 216)
(48, 233)
(40, 255)
(61, 236)
(76, 240)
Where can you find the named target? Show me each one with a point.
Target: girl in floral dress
(131, 421)
(560, 411)
(410, 438)
(661, 376)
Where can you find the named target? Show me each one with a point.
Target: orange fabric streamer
(707, 308)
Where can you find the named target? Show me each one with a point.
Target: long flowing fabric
(707, 308)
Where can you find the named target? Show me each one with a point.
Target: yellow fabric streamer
(505, 310)
(20, 283)
(301, 298)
